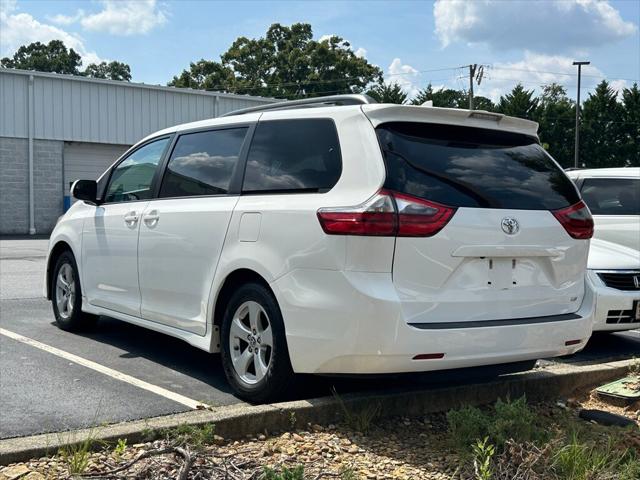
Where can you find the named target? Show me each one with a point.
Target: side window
(202, 163)
(612, 196)
(131, 179)
(293, 155)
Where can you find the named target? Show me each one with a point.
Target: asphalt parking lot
(51, 380)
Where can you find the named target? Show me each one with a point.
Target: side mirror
(85, 190)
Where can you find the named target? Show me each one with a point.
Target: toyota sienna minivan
(333, 236)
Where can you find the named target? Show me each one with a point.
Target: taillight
(387, 214)
(420, 218)
(576, 220)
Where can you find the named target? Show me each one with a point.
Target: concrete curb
(240, 420)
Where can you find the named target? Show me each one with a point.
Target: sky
(415, 43)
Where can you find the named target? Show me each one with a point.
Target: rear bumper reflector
(568, 343)
(495, 323)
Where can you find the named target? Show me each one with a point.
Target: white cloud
(404, 75)
(19, 29)
(550, 26)
(126, 17)
(61, 19)
(7, 6)
(361, 52)
(533, 71)
(325, 38)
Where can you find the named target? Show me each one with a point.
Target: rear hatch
(512, 241)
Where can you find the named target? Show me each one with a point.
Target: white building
(57, 128)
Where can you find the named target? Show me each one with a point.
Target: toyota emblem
(510, 226)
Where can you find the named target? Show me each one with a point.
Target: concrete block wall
(14, 185)
(47, 181)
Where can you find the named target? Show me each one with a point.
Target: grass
(196, 436)
(294, 473)
(507, 420)
(360, 419)
(76, 454)
(489, 440)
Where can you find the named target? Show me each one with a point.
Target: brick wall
(14, 185)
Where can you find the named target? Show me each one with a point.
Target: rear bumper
(352, 323)
(611, 303)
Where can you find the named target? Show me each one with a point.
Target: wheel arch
(232, 281)
(60, 247)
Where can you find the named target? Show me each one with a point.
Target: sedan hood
(605, 255)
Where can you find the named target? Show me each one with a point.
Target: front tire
(66, 295)
(254, 350)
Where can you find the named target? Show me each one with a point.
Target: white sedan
(614, 277)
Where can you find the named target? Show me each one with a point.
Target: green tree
(388, 93)
(519, 103)
(112, 71)
(601, 134)
(51, 57)
(630, 149)
(483, 103)
(556, 116)
(285, 63)
(55, 57)
(445, 97)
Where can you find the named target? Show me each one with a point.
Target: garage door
(87, 161)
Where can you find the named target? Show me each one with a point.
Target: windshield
(472, 167)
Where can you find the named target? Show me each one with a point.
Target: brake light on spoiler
(387, 213)
(576, 220)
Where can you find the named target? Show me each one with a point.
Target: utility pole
(472, 72)
(577, 146)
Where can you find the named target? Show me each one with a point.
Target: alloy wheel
(65, 291)
(251, 342)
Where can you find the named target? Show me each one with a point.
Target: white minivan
(333, 236)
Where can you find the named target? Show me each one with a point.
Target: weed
(513, 420)
(466, 425)
(295, 473)
(584, 461)
(120, 447)
(508, 420)
(292, 420)
(76, 455)
(634, 368)
(197, 436)
(483, 453)
(348, 474)
(360, 420)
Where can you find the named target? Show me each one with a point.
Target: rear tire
(253, 345)
(66, 295)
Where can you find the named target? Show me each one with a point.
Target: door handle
(131, 219)
(151, 218)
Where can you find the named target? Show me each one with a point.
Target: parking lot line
(123, 377)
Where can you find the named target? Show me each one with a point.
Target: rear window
(291, 156)
(472, 167)
(612, 196)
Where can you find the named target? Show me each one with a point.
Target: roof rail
(332, 100)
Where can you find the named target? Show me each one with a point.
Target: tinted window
(202, 163)
(612, 196)
(472, 167)
(131, 179)
(293, 155)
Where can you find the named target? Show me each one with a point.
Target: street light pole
(577, 146)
